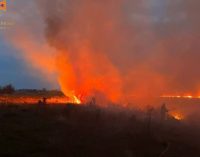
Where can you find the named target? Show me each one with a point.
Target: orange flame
(177, 115)
(77, 100)
(17, 99)
(181, 96)
(88, 75)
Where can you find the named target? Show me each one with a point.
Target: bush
(8, 89)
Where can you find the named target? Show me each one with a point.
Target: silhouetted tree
(8, 89)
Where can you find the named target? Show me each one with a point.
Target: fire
(77, 100)
(96, 49)
(181, 96)
(84, 75)
(176, 115)
(15, 99)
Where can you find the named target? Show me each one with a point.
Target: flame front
(177, 115)
(77, 100)
(85, 74)
(181, 96)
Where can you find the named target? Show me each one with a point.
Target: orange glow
(177, 115)
(87, 75)
(93, 50)
(34, 100)
(77, 100)
(181, 96)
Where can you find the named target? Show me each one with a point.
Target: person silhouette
(163, 112)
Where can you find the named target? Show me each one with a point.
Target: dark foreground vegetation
(88, 131)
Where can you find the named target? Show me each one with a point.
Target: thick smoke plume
(119, 48)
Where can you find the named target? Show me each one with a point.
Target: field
(90, 131)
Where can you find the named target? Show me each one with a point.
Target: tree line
(7, 89)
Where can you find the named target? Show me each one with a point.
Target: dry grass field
(89, 131)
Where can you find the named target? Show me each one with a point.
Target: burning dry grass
(177, 115)
(32, 100)
(23, 97)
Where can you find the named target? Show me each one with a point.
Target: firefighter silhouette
(163, 112)
(149, 118)
(43, 101)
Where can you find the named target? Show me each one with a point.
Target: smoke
(119, 48)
